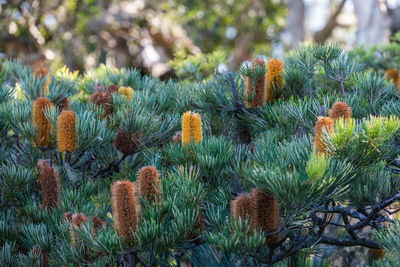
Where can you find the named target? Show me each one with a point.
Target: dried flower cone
(77, 220)
(125, 143)
(66, 131)
(124, 202)
(375, 254)
(149, 183)
(64, 104)
(41, 122)
(240, 207)
(274, 79)
(259, 87)
(321, 124)
(191, 127)
(265, 214)
(394, 76)
(50, 183)
(340, 110)
(126, 91)
(111, 89)
(98, 223)
(103, 99)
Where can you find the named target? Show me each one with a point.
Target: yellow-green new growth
(316, 166)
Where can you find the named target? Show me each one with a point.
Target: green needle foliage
(264, 158)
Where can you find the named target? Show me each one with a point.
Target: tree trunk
(295, 23)
(373, 22)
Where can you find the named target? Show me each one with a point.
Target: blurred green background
(176, 38)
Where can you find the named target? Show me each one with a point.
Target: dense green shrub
(239, 186)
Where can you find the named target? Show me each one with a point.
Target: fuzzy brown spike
(321, 124)
(149, 183)
(98, 223)
(265, 214)
(240, 207)
(340, 110)
(77, 220)
(259, 88)
(103, 99)
(124, 203)
(50, 184)
(41, 122)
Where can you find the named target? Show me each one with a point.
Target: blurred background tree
(147, 34)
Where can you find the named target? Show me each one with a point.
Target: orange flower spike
(66, 131)
(321, 124)
(149, 183)
(265, 214)
(41, 122)
(124, 203)
(274, 79)
(340, 110)
(50, 183)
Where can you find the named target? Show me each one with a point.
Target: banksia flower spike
(126, 91)
(191, 127)
(322, 124)
(394, 76)
(102, 99)
(149, 183)
(240, 207)
(265, 214)
(274, 79)
(66, 131)
(77, 220)
(50, 183)
(340, 110)
(40, 120)
(124, 207)
(259, 87)
(42, 73)
(125, 143)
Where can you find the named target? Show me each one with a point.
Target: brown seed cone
(322, 123)
(199, 226)
(112, 89)
(340, 110)
(67, 216)
(259, 88)
(375, 254)
(274, 79)
(394, 76)
(149, 183)
(66, 131)
(124, 202)
(177, 138)
(77, 220)
(240, 207)
(40, 121)
(64, 104)
(41, 72)
(50, 183)
(98, 223)
(103, 99)
(265, 214)
(124, 143)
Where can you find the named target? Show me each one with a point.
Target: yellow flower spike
(126, 91)
(66, 131)
(196, 126)
(191, 127)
